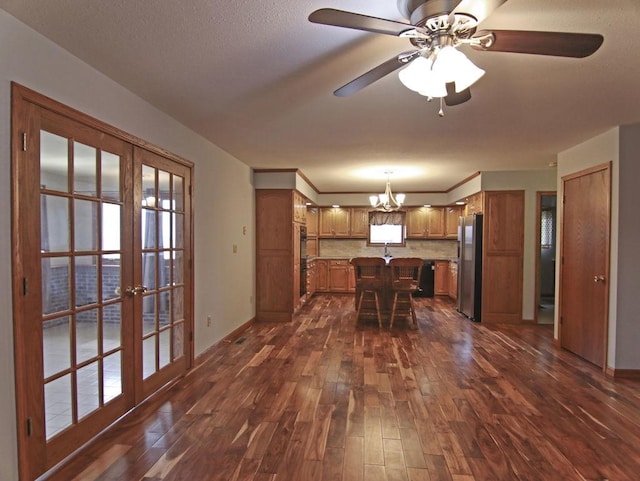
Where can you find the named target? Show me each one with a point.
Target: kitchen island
(335, 275)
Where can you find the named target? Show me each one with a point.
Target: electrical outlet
(235, 248)
(208, 321)
(244, 230)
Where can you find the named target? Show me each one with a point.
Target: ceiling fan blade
(340, 18)
(559, 44)
(371, 76)
(456, 98)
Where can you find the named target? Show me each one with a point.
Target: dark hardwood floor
(322, 398)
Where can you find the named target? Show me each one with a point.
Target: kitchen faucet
(386, 251)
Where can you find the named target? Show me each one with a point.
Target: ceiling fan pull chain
(441, 111)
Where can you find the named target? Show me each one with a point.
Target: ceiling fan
(436, 68)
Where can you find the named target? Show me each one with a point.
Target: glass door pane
(81, 294)
(165, 244)
(162, 268)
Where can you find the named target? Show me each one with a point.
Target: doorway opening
(546, 257)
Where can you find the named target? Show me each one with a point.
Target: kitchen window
(386, 228)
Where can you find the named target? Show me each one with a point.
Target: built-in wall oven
(303, 261)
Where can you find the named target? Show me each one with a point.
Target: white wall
(467, 189)
(628, 251)
(224, 200)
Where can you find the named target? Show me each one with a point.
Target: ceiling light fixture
(387, 201)
(430, 73)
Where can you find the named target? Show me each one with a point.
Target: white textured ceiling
(256, 78)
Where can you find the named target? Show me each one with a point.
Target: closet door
(102, 283)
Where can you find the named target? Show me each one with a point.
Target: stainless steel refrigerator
(470, 266)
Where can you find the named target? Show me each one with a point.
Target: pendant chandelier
(387, 201)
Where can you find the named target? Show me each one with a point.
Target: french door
(102, 278)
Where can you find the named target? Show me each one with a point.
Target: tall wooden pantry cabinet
(279, 217)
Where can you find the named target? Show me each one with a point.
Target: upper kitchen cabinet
(474, 204)
(334, 222)
(344, 222)
(451, 220)
(312, 221)
(425, 223)
(299, 208)
(359, 222)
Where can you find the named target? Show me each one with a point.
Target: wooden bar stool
(405, 280)
(369, 272)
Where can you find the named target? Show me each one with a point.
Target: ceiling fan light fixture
(451, 65)
(419, 77)
(413, 75)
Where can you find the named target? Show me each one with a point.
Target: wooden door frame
(25, 236)
(539, 195)
(608, 168)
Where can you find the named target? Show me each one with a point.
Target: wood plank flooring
(324, 398)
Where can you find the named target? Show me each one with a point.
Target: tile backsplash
(426, 249)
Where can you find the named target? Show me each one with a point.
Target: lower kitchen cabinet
(453, 280)
(441, 280)
(339, 275)
(312, 279)
(351, 277)
(334, 275)
(322, 275)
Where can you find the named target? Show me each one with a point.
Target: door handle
(134, 291)
(598, 278)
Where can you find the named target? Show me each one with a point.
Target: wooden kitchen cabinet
(312, 221)
(322, 275)
(503, 256)
(441, 279)
(435, 222)
(312, 246)
(334, 275)
(339, 275)
(351, 278)
(425, 223)
(334, 222)
(296, 266)
(311, 278)
(347, 222)
(299, 207)
(277, 254)
(451, 220)
(474, 204)
(453, 279)
(359, 223)
(416, 221)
